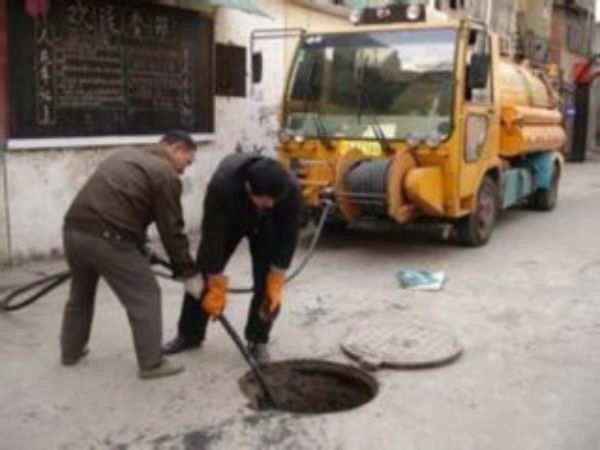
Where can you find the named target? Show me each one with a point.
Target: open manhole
(310, 386)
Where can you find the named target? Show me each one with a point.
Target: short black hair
(268, 177)
(178, 136)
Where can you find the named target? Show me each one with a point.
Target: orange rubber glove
(214, 299)
(274, 292)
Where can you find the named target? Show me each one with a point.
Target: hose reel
(365, 185)
(373, 188)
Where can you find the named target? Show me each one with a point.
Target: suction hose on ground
(13, 302)
(46, 284)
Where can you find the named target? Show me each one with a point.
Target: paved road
(524, 307)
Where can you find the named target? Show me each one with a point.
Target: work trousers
(193, 320)
(129, 275)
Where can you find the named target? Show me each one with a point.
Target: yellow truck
(407, 120)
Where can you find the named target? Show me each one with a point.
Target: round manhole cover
(310, 386)
(408, 345)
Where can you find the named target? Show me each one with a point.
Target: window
(348, 3)
(574, 38)
(479, 43)
(348, 85)
(341, 4)
(475, 137)
(231, 71)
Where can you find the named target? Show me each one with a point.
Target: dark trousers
(193, 320)
(129, 275)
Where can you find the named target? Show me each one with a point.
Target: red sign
(584, 72)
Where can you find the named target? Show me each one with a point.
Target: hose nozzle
(327, 198)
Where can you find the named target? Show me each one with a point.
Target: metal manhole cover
(408, 345)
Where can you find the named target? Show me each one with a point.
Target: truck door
(480, 132)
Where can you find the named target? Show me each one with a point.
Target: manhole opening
(310, 386)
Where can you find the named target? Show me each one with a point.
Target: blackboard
(109, 67)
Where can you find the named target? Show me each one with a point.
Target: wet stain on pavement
(259, 430)
(196, 440)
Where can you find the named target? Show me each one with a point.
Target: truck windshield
(381, 84)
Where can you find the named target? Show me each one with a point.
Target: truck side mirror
(257, 67)
(478, 71)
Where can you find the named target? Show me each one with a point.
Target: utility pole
(488, 13)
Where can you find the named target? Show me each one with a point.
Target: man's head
(266, 182)
(180, 149)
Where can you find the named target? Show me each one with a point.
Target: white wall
(40, 186)
(42, 182)
(4, 226)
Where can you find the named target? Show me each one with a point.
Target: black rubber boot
(72, 360)
(181, 344)
(259, 352)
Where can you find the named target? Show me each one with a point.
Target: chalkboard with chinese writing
(109, 67)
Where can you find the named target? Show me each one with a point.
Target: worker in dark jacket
(254, 197)
(104, 233)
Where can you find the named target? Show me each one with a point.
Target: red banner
(37, 8)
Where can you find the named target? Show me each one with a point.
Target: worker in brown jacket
(104, 234)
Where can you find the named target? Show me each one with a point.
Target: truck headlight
(299, 137)
(355, 16)
(285, 136)
(413, 12)
(413, 140)
(433, 141)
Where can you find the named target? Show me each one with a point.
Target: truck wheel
(476, 229)
(545, 199)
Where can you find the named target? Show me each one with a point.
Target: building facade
(572, 34)
(534, 24)
(43, 162)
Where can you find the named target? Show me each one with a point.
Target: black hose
(366, 185)
(328, 206)
(45, 284)
(269, 396)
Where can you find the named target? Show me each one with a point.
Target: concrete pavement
(525, 308)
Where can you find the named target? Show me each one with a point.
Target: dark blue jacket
(229, 214)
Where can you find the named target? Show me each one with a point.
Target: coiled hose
(366, 186)
(12, 301)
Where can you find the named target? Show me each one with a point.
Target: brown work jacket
(128, 191)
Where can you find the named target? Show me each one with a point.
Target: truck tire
(476, 229)
(545, 199)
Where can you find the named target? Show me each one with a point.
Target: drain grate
(311, 386)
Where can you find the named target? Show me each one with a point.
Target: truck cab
(405, 119)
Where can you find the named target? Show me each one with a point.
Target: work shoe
(72, 360)
(164, 368)
(180, 344)
(259, 352)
